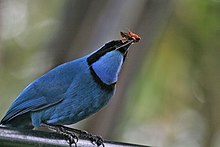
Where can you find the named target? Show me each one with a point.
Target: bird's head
(107, 61)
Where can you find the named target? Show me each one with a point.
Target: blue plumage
(71, 91)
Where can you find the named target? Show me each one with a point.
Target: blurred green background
(169, 90)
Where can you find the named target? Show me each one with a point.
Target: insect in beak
(130, 36)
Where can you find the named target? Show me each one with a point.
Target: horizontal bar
(11, 137)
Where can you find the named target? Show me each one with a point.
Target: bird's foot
(70, 136)
(95, 139)
(84, 134)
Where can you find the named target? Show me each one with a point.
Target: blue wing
(45, 91)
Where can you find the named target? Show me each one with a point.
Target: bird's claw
(95, 139)
(71, 140)
(71, 137)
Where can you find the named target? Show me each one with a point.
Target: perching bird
(72, 91)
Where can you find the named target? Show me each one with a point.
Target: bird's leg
(72, 138)
(93, 138)
(70, 133)
(84, 134)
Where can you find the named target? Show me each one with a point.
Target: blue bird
(72, 91)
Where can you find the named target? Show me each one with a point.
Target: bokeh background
(168, 94)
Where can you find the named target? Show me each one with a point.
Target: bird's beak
(126, 40)
(124, 46)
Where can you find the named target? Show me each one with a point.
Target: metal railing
(24, 138)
